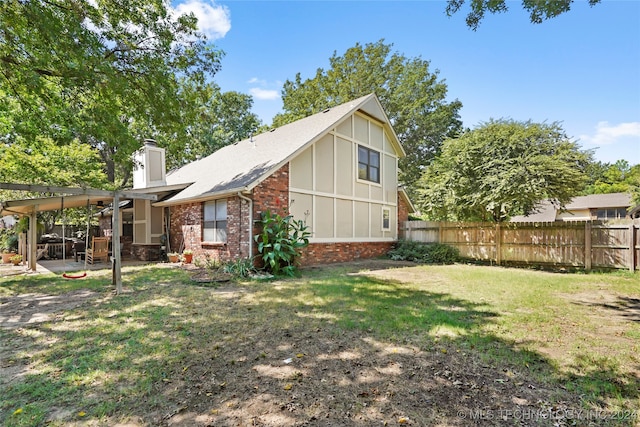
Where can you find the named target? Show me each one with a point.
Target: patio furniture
(99, 250)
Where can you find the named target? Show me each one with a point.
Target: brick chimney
(149, 166)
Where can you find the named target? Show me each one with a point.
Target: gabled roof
(243, 165)
(594, 201)
(546, 211)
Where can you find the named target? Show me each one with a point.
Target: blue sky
(581, 69)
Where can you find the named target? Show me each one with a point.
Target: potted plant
(16, 259)
(173, 256)
(8, 244)
(6, 256)
(188, 256)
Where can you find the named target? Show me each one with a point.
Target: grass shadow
(332, 349)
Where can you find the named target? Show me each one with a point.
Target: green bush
(8, 240)
(241, 267)
(430, 253)
(280, 242)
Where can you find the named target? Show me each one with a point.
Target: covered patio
(57, 266)
(66, 197)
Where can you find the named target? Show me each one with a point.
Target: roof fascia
(201, 198)
(161, 189)
(406, 198)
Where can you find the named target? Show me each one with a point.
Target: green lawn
(415, 345)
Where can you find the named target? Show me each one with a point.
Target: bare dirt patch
(314, 378)
(20, 310)
(609, 304)
(28, 310)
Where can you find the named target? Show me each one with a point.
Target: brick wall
(273, 194)
(324, 253)
(145, 252)
(104, 223)
(186, 231)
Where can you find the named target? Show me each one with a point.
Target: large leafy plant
(280, 241)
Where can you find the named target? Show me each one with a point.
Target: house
(336, 170)
(604, 207)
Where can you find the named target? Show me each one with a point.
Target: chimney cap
(150, 142)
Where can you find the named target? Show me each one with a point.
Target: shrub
(430, 253)
(280, 242)
(8, 240)
(241, 267)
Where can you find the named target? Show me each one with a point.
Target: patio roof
(26, 206)
(74, 197)
(69, 198)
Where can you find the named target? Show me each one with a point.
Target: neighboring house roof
(595, 201)
(243, 165)
(547, 211)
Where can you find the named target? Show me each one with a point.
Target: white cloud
(255, 80)
(213, 20)
(266, 94)
(606, 134)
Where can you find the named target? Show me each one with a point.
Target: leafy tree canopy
(43, 161)
(619, 177)
(500, 169)
(538, 10)
(215, 119)
(105, 73)
(73, 164)
(412, 96)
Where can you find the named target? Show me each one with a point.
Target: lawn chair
(99, 250)
(42, 253)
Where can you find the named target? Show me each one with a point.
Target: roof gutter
(250, 201)
(201, 198)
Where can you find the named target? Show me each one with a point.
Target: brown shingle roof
(547, 211)
(243, 165)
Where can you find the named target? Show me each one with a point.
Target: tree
(500, 169)
(97, 71)
(412, 96)
(215, 119)
(43, 161)
(619, 177)
(538, 10)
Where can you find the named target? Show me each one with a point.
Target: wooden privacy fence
(588, 245)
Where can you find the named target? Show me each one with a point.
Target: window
(386, 219)
(611, 213)
(215, 221)
(368, 164)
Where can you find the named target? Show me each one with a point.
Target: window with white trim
(611, 213)
(214, 227)
(368, 164)
(386, 219)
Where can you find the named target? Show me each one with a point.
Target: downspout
(250, 201)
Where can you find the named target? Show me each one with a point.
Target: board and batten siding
(325, 192)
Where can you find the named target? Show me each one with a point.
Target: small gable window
(215, 222)
(368, 164)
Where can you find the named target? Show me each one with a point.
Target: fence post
(632, 247)
(498, 244)
(440, 232)
(587, 245)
